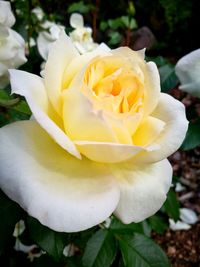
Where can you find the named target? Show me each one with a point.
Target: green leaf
(80, 7)
(51, 241)
(100, 250)
(192, 138)
(125, 21)
(172, 206)
(115, 24)
(158, 223)
(44, 261)
(133, 24)
(22, 107)
(120, 228)
(10, 214)
(168, 77)
(140, 251)
(115, 38)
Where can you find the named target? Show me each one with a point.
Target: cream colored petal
(143, 189)
(32, 88)
(107, 152)
(82, 122)
(152, 88)
(129, 53)
(61, 53)
(62, 192)
(148, 131)
(172, 113)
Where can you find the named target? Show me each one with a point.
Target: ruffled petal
(62, 192)
(143, 189)
(172, 113)
(32, 88)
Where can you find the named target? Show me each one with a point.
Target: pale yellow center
(114, 84)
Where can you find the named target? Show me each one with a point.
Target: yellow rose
(107, 131)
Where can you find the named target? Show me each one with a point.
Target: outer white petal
(60, 55)
(172, 113)
(143, 189)
(62, 192)
(188, 72)
(32, 88)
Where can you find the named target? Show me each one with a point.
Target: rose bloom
(12, 46)
(97, 141)
(188, 72)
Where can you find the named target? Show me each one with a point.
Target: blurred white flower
(12, 45)
(39, 13)
(188, 216)
(69, 250)
(81, 36)
(179, 187)
(188, 72)
(7, 18)
(179, 225)
(46, 39)
(19, 228)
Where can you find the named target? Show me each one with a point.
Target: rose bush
(97, 142)
(188, 70)
(12, 45)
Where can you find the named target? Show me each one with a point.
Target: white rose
(188, 72)
(12, 45)
(98, 142)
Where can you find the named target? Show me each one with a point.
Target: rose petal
(82, 122)
(32, 88)
(60, 55)
(143, 189)
(172, 112)
(107, 152)
(148, 131)
(187, 70)
(152, 87)
(62, 192)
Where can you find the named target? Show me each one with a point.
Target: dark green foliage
(192, 138)
(172, 205)
(140, 251)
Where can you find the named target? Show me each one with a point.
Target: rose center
(114, 84)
